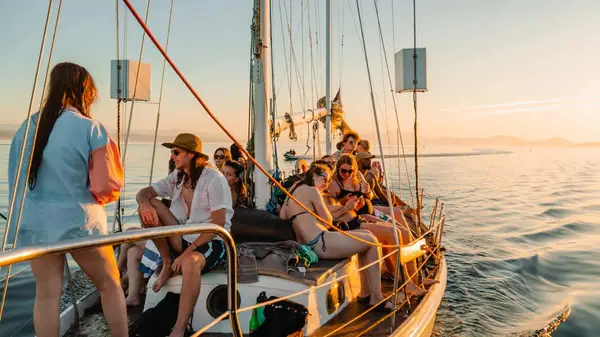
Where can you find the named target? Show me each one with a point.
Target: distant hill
(511, 141)
(7, 131)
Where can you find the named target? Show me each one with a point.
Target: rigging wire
(230, 135)
(23, 147)
(118, 213)
(416, 117)
(160, 95)
(287, 69)
(394, 101)
(273, 99)
(397, 238)
(120, 210)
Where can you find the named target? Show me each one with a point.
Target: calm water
(521, 235)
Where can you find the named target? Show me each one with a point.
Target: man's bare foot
(413, 291)
(163, 277)
(133, 301)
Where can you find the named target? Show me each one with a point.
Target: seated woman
(382, 230)
(380, 202)
(221, 155)
(349, 182)
(233, 172)
(332, 245)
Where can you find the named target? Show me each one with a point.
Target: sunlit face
(220, 158)
(329, 160)
(346, 171)
(230, 175)
(349, 145)
(181, 158)
(322, 180)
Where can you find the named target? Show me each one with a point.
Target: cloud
(564, 104)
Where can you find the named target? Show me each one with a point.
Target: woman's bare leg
(383, 231)
(48, 274)
(165, 218)
(340, 246)
(100, 266)
(135, 276)
(122, 259)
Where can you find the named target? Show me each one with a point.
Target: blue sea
(522, 236)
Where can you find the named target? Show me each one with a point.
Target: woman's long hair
(347, 159)
(309, 180)
(197, 165)
(240, 187)
(70, 85)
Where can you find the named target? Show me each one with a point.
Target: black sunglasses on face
(346, 171)
(219, 156)
(175, 152)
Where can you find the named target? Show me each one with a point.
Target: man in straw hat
(199, 194)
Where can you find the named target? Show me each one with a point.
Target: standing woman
(75, 170)
(221, 156)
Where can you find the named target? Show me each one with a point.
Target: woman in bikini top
(346, 173)
(333, 245)
(308, 191)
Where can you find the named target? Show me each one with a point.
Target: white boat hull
(421, 321)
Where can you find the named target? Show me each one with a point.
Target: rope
(287, 70)
(387, 64)
(303, 97)
(416, 117)
(273, 100)
(117, 218)
(118, 78)
(312, 61)
(22, 155)
(137, 77)
(389, 195)
(120, 210)
(230, 135)
(160, 95)
(292, 127)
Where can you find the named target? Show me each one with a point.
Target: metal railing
(33, 252)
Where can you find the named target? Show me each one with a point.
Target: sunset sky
(528, 69)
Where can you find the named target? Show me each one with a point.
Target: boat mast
(328, 77)
(262, 97)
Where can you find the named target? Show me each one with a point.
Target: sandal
(365, 299)
(383, 307)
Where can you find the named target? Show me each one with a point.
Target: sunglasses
(327, 178)
(219, 156)
(346, 171)
(351, 142)
(175, 152)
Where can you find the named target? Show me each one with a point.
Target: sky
(527, 69)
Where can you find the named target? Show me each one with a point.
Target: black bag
(157, 321)
(281, 319)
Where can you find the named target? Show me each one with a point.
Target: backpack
(278, 319)
(157, 321)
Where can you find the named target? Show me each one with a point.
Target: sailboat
(328, 289)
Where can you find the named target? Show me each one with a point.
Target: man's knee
(193, 263)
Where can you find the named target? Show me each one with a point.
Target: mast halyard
(261, 78)
(328, 78)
